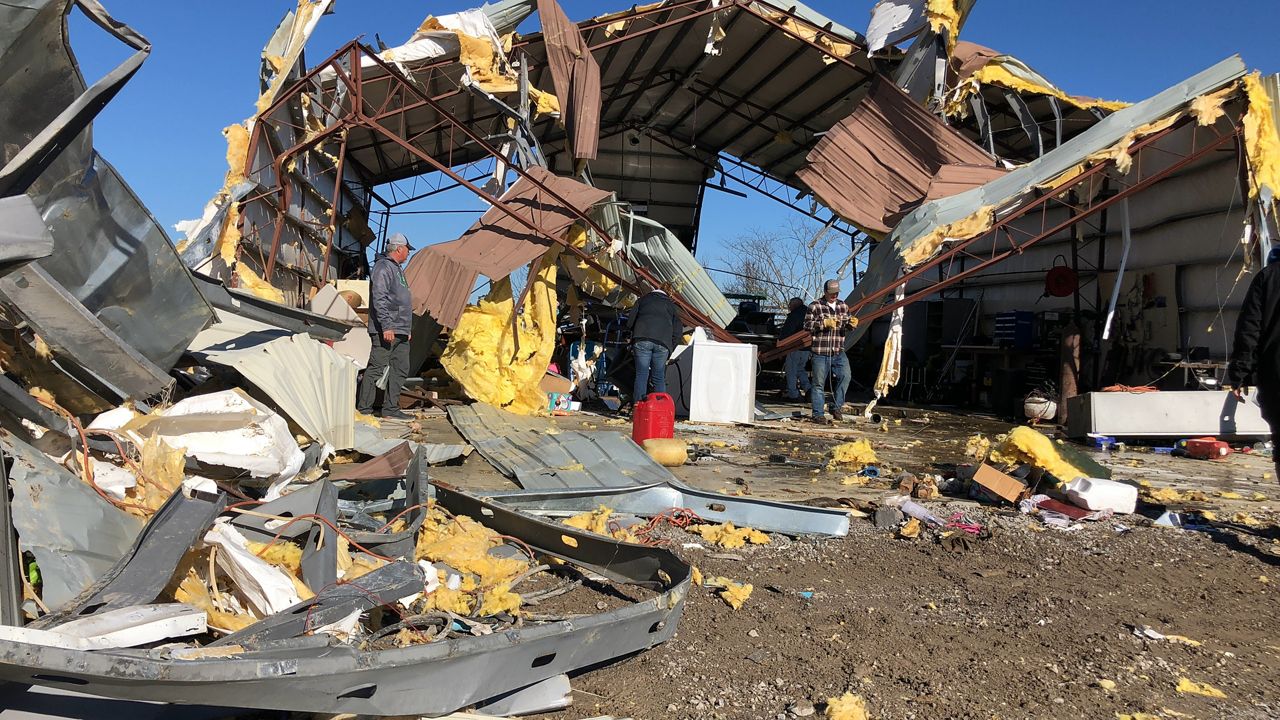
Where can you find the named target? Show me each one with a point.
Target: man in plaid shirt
(827, 322)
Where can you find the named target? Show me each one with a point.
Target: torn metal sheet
(91, 351)
(893, 21)
(576, 77)
(73, 533)
(111, 257)
(391, 464)
(658, 250)
(141, 574)
(250, 306)
(882, 157)
(312, 675)
(308, 380)
(442, 276)
(23, 234)
(652, 500)
(117, 628)
(235, 332)
(380, 587)
(319, 547)
(408, 496)
(539, 456)
(574, 467)
(551, 694)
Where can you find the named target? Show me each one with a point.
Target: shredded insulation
(733, 593)
(1165, 496)
(857, 454)
(728, 536)
(1186, 685)
(463, 545)
(972, 226)
(1026, 445)
(1012, 74)
(834, 46)
(500, 359)
(1261, 141)
(977, 447)
(162, 471)
(599, 522)
(847, 707)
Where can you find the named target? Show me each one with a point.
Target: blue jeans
(796, 376)
(837, 368)
(651, 365)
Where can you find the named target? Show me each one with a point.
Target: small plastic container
(1099, 494)
(654, 417)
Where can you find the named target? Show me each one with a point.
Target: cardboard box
(553, 383)
(998, 484)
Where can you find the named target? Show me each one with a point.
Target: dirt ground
(1031, 623)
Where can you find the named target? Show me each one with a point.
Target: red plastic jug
(654, 417)
(1207, 448)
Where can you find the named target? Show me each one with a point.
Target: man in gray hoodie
(390, 319)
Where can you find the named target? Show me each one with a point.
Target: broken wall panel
(74, 535)
(576, 77)
(442, 276)
(882, 157)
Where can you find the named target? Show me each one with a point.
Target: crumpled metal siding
(109, 252)
(658, 250)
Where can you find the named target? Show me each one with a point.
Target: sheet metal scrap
(320, 674)
(578, 471)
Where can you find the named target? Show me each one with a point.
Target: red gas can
(654, 417)
(1207, 448)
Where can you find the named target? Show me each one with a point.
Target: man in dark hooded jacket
(1255, 353)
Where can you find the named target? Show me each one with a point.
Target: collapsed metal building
(959, 175)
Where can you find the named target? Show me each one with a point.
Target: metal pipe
(1124, 259)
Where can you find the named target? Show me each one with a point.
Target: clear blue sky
(163, 130)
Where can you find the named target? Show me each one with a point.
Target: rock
(887, 517)
(801, 708)
(753, 633)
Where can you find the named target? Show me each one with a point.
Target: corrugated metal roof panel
(540, 457)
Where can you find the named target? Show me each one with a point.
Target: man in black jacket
(655, 331)
(1255, 353)
(796, 377)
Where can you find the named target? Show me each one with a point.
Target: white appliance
(713, 381)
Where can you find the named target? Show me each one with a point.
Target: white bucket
(1038, 408)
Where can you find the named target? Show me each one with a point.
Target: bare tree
(784, 262)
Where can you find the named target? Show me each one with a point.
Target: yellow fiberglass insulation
(499, 360)
(972, 226)
(1029, 446)
(1206, 109)
(1261, 141)
(995, 73)
(592, 281)
(731, 592)
(163, 468)
(464, 544)
(1187, 685)
(847, 707)
(977, 447)
(253, 282)
(728, 536)
(597, 521)
(858, 453)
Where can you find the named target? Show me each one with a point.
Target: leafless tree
(784, 262)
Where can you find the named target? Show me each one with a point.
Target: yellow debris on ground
(911, 530)
(597, 521)
(857, 454)
(730, 537)
(1186, 685)
(1230, 495)
(733, 593)
(1030, 446)
(847, 707)
(464, 544)
(977, 447)
(695, 575)
(858, 480)
(499, 365)
(1165, 496)
(1247, 520)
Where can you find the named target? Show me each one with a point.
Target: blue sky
(163, 130)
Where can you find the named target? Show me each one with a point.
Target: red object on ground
(1208, 448)
(654, 417)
